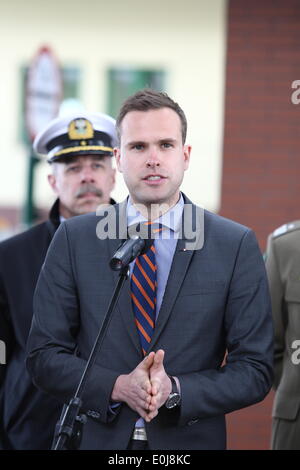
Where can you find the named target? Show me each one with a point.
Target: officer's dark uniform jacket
(27, 416)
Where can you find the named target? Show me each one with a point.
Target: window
(123, 82)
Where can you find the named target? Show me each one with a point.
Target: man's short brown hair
(147, 99)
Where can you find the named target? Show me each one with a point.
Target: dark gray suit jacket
(216, 300)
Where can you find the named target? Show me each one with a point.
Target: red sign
(43, 91)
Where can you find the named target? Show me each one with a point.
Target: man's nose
(87, 175)
(153, 159)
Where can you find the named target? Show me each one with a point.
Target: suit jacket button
(193, 421)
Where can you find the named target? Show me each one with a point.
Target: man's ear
(117, 155)
(52, 182)
(187, 155)
(113, 176)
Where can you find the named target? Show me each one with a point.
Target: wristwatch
(174, 398)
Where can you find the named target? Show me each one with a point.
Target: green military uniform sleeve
(277, 298)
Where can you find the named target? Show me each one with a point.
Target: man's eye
(166, 145)
(73, 169)
(138, 146)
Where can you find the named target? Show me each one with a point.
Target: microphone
(128, 251)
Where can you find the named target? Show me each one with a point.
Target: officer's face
(152, 156)
(82, 184)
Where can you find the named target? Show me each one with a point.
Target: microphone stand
(69, 428)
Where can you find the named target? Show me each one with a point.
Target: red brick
(261, 153)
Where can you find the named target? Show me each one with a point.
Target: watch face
(173, 400)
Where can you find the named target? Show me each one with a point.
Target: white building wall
(185, 38)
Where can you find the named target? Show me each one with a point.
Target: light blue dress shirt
(165, 245)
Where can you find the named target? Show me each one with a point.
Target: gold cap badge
(80, 129)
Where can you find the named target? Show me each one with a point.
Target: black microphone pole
(65, 437)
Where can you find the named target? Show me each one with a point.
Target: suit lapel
(184, 252)
(178, 271)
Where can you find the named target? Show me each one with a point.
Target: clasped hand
(146, 388)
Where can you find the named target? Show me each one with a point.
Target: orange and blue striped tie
(143, 295)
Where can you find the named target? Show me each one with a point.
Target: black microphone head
(139, 241)
(128, 251)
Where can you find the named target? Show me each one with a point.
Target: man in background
(79, 147)
(283, 269)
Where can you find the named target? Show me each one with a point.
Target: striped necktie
(143, 295)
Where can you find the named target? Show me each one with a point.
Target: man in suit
(158, 381)
(282, 262)
(79, 150)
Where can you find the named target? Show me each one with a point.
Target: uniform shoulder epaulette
(286, 228)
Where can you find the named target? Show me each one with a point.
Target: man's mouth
(88, 194)
(89, 191)
(153, 178)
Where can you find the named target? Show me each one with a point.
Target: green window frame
(123, 82)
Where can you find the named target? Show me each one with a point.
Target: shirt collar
(171, 219)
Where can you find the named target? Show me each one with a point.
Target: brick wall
(261, 164)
